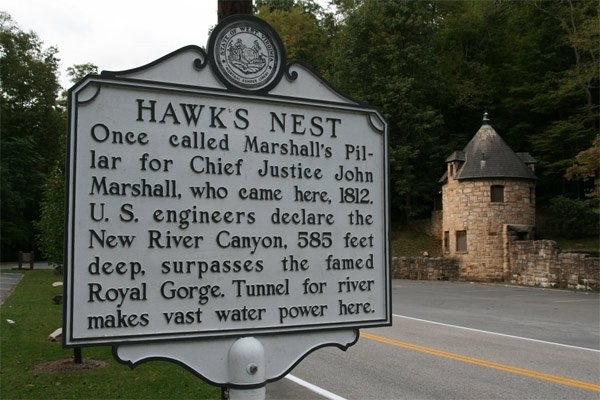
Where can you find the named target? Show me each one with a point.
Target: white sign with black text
(199, 210)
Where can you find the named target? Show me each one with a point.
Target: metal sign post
(226, 211)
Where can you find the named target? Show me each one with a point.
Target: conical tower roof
(488, 156)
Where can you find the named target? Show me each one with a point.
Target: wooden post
(225, 8)
(77, 355)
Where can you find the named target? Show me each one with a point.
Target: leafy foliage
(31, 126)
(79, 71)
(304, 27)
(52, 219)
(434, 67)
(587, 167)
(586, 163)
(50, 226)
(571, 218)
(384, 55)
(19, 169)
(563, 99)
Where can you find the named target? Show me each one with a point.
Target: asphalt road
(7, 284)
(9, 281)
(464, 341)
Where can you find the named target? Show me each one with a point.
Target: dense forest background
(431, 66)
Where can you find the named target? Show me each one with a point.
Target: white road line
(314, 388)
(497, 334)
(332, 396)
(570, 301)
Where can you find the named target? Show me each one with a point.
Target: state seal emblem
(246, 54)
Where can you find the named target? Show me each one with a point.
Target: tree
(586, 167)
(31, 122)
(304, 27)
(579, 21)
(433, 67)
(470, 47)
(384, 55)
(534, 66)
(19, 189)
(572, 106)
(79, 71)
(51, 223)
(307, 6)
(571, 218)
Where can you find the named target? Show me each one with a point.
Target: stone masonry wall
(532, 263)
(424, 268)
(540, 263)
(435, 226)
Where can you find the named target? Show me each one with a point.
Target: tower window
(446, 242)
(497, 194)
(531, 195)
(461, 241)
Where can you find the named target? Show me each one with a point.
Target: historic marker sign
(233, 200)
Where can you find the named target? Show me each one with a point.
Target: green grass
(589, 244)
(409, 243)
(25, 344)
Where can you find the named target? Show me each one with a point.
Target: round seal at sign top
(246, 54)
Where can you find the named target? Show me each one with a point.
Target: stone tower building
(488, 200)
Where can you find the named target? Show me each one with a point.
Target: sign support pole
(247, 366)
(246, 358)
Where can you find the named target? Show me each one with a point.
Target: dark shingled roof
(456, 156)
(526, 158)
(488, 156)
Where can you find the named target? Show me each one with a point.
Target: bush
(572, 218)
(51, 225)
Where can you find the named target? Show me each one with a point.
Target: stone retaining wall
(531, 263)
(541, 263)
(425, 268)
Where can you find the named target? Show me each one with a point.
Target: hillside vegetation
(407, 242)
